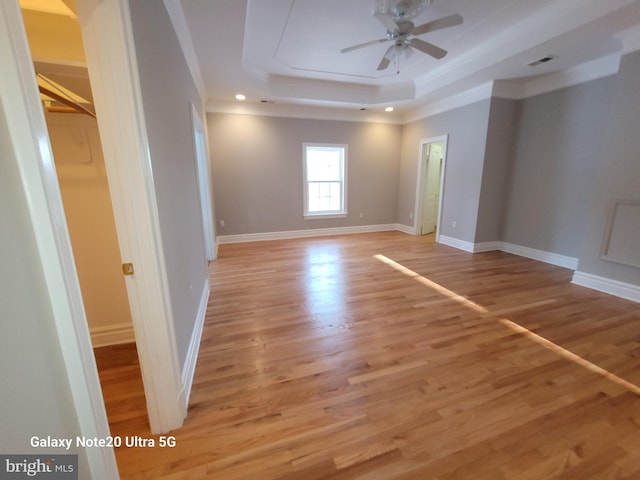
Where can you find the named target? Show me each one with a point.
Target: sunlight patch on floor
(431, 284)
(563, 352)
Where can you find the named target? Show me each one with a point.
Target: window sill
(320, 216)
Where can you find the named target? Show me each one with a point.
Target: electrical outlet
(361, 215)
(410, 214)
(222, 223)
(454, 224)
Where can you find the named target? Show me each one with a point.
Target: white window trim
(323, 215)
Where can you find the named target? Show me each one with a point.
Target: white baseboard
(487, 246)
(312, 232)
(112, 335)
(624, 290)
(405, 229)
(547, 257)
(456, 243)
(540, 255)
(189, 368)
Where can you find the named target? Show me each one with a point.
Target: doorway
(204, 185)
(74, 137)
(430, 185)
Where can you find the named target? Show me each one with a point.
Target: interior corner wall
(168, 91)
(502, 127)
(467, 129)
(553, 170)
(257, 174)
(36, 397)
(617, 173)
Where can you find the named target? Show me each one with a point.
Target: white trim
(417, 211)
(344, 151)
(28, 131)
(606, 253)
(406, 229)
(624, 290)
(585, 72)
(312, 232)
(112, 335)
(204, 184)
(181, 28)
(113, 71)
(547, 257)
(456, 243)
(487, 247)
(311, 112)
(324, 216)
(189, 368)
(473, 95)
(630, 39)
(507, 89)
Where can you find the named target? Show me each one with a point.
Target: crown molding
(179, 22)
(508, 89)
(452, 102)
(630, 39)
(313, 112)
(585, 72)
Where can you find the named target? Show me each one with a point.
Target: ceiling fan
(396, 16)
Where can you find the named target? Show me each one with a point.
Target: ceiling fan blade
(386, 60)
(444, 22)
(387, 21)
(362, 45)
(428, 48)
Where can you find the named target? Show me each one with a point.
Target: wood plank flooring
(387, 356)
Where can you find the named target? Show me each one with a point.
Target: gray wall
(559, 137)
(503, 122)
(257, 171)
(167, 92)
(35, 396)
(467, 129)
(617, 171)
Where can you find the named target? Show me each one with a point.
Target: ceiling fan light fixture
(241, 97)
(389, 109)
(401, 9)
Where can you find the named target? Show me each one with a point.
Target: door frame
(113, 71)
(204, 185)
(30, 141)
(421, 185)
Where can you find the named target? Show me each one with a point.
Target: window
(324, 180)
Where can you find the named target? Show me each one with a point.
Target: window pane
(334, 196)
(314, 197)
(324, 197)
(324, 164)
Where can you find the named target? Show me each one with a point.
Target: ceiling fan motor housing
(401, 10)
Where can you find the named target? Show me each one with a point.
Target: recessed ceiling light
(240, 97)
(388, 109)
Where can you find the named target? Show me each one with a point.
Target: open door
(431, 191)
(430, 185)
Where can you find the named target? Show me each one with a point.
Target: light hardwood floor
(387, 356)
